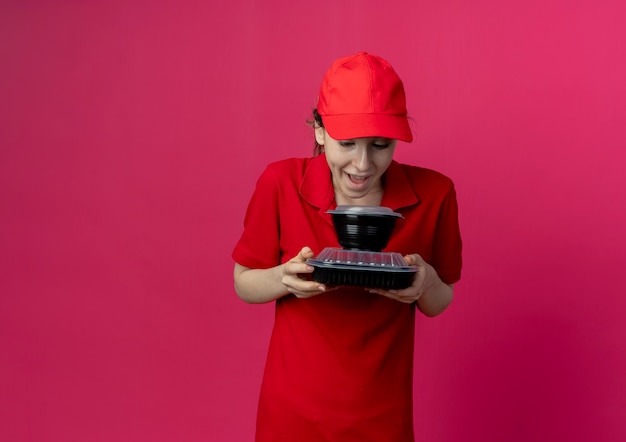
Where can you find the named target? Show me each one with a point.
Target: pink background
(131, 136)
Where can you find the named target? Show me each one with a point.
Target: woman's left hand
(426, 281)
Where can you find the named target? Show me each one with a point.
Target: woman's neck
(373, 198)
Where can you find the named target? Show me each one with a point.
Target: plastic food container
(364, 227)
(386, 270)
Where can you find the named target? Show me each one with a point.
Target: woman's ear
(320, 132)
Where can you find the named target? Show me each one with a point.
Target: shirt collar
(317, 187)
(399, 191)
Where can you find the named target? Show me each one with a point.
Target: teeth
(357, 178)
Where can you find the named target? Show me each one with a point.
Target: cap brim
(347, 127)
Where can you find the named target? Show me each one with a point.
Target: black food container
(385, 270)
(364, 227)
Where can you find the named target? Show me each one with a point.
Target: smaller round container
(364, 227)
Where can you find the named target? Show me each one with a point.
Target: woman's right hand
(294, 276)
(257, 286)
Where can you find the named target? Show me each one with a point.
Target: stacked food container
(362, 231)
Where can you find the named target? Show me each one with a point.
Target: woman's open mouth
(358, 180)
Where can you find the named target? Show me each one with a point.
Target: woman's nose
(362, 159)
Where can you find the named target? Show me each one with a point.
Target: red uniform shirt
(340, 364)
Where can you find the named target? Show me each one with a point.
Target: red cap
(362, 96)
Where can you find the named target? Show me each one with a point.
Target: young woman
(340, 361)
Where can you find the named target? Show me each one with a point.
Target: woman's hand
(427, 290)
(294, 276)
(257, 286)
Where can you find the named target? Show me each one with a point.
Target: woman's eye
(346, 143)
(381, 146)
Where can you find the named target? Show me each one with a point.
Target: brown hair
(315, 123)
